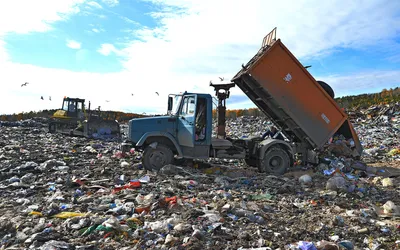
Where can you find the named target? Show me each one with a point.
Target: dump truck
(73, 119)
(302, 108)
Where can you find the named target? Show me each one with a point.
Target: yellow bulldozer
(74, 119)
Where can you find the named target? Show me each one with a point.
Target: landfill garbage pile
(245, 127)
(386, 111)
(379, 132)
(34, 122)
(378, 129)
(60, 192)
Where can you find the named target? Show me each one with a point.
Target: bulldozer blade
(102, 129)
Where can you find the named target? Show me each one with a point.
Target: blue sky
(97, 24)
(109, 49)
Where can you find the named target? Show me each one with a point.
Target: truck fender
(165, 135)
(268, 143)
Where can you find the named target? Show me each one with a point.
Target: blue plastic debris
(304, 245)
(329, 172)
(346, 245)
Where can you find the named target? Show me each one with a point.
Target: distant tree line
(386, 96)
(122, 117)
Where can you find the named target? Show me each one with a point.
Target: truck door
(186, 121)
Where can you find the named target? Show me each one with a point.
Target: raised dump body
(289, 95)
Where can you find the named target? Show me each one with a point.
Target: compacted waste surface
(60, 192)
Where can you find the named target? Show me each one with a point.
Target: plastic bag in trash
(336, 183)
(304, 245)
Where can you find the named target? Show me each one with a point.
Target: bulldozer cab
(73, 119)
(74, 107)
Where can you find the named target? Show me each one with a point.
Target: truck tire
(276, 161)
(156, 158)
(327, 89)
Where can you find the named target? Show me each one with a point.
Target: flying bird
(50, 98)
(306, 67)
(157, 93)
(221, 78)
(132, 94)
(24, 84)
(107, 101)
(42, 98)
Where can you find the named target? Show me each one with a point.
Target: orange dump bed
(289, 95)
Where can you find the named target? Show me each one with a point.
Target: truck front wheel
(158, 157)
(276, 161)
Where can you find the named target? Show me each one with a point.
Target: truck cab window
(191, 106)
(201, 119)
(175, 104)
(188, 106)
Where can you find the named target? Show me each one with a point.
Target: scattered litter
(61, 192)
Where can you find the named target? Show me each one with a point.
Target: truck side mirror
(170, 103)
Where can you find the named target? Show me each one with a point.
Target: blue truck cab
(184, 132)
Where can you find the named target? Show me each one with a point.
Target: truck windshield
(175, 104)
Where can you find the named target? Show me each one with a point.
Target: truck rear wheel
(156, 158)
(276, 161)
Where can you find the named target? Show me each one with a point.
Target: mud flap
(125, 147)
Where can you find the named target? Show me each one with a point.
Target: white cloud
(73, 44)
(94, 87)
(22, 17)
(117, 87)
(32, 18)
(128, 20)
(94, 4)
(96, 30)
(111, 3)
(374, 80)
(208, 40)
(3, 52)
(205, 42)
(106, 49)
(306, 27)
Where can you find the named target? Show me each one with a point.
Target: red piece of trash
(131, 185)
